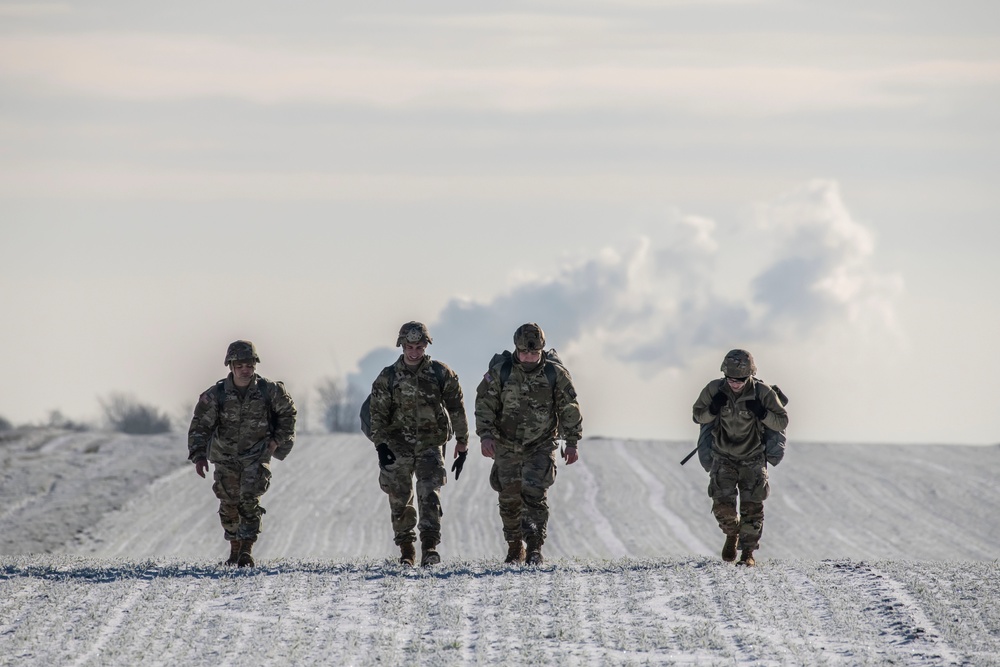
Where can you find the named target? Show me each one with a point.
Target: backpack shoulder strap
(780, 394)
(440, 373)
(551, 361)
(550, 374)
(220, 393)
(504, 360)
(265, 389)
(505, 369)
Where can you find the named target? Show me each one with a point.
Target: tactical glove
(459, 463)
(385, 456)
(717, 402)
(757, 408)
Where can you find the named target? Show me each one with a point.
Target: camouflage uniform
(235, 437)
(410, 412)
(738, 467)
(524, 416)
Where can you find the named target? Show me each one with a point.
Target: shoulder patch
(488, 377)
(206, 397)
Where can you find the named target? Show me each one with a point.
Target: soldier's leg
(226, 486)
(537, 474)
(505, 478)
(754, 489)
(431, 476)
(723, 481)
(254, 482)
(397, 483)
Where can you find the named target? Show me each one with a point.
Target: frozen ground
(871, 555)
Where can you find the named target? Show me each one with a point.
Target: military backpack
(265, 391)
(390, 373)
(506, 362)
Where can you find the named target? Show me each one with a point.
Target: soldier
(415, 402)
(239, 424)
(740, 406)
(525, 401)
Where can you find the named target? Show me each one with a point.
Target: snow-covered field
(871, 555)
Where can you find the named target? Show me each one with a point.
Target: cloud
(665, 297)
(824, 268)
(153, 67)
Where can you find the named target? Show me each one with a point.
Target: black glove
(757, 408)
(456, 467)
(717, 402)
(385, 456)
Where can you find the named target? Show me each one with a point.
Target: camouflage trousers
(728, 481)
(239, 484)
(397, 482)
(522, 476)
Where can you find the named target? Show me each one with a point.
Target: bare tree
(125, 414)
(58, 420)
(338, 405)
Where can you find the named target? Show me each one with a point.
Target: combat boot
(515, 552)
(729, 548)
(407, 554)
(428, 553)
(534, 556)
(235, 546)
(747, 559)
(246, 557)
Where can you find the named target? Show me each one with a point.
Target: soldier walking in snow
(239, 424)
(524, 403)
(415, 405)
(740, 407)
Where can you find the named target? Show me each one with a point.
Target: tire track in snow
(906, 622)
(657, 503)
(602, 526)
(110, 628)
(817, 615)
(710, 592)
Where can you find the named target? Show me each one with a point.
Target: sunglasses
(738, 380)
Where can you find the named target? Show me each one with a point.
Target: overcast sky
(654, 183)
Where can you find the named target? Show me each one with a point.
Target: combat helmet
(413, 332)
(739, 364)
(529, 337)
(241, 350)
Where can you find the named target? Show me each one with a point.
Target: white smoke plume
(675, 293)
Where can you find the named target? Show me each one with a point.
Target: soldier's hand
(570, 454)
(272, 447)
(459, 463)
(757, 408)
(489, 447)
(201, 467)
(717, 402)
(385, 456)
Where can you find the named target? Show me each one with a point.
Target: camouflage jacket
(527, 410)
(239, 426)
(410, 406)
(738, 433)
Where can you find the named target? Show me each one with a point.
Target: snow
(871, 555)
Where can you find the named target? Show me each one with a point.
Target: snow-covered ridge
(871, 555)
(70, 610)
